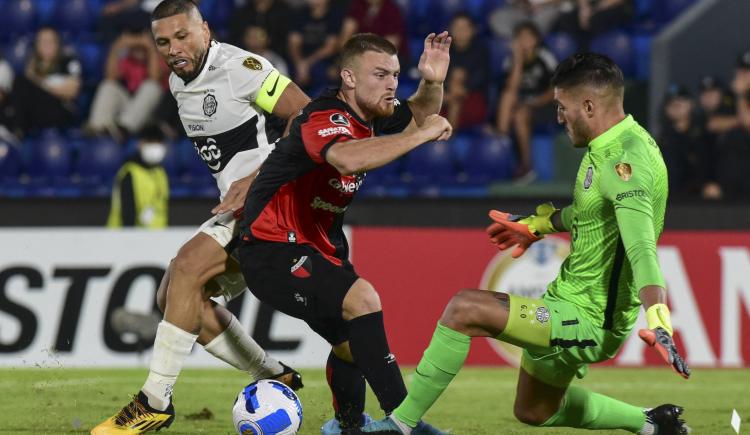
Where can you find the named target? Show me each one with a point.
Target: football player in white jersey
(223, 94)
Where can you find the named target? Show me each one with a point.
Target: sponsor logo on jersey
(339, 119)
(212, 68)
(624, 171)
(331, 131)
(630, 194)
(319, 204)
(210, 153)
(196, 127)
(346, 187)
(252, 64)
(209, 104)
(589, 178)
(291, 237)
(273, 89)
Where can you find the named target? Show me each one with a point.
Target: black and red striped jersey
(298, 197)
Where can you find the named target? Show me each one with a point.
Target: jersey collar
(213, 48)
(614, 131)
(333, 94)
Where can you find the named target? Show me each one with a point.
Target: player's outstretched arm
(356, 156)
(508, 230)
(433, 67)
(659, 332)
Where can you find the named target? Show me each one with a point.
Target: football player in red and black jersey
(294, 255)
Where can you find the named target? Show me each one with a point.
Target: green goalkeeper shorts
(574, 341)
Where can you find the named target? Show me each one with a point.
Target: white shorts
(224, 229)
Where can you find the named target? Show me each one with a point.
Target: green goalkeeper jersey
(616, 218)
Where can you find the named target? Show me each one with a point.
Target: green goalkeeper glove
(521, 231)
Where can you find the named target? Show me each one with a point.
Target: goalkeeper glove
(521, 231)
(659, 336)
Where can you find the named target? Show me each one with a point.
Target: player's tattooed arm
(562, 219)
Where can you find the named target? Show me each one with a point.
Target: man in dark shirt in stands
(294, 254)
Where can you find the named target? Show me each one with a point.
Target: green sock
(441, 361)
(584, 409)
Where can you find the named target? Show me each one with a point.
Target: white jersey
(218, 111)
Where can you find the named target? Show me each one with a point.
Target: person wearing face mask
(140, 195)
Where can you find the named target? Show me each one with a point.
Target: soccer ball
(267, 407)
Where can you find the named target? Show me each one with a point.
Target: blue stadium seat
(17, 52)
(45, 10)
(50, 157)
(543, 156)
(99, 159)
(618, 46)
(667, 10)
(171, 161)
(642, 49)
(216, 12)
(489, 158)
(92, 56)
(10, 161)
(190, 162)
(499, 50)
(18, 17)
(74, 17)
(432, 161)
(419, 18)
(561, 44)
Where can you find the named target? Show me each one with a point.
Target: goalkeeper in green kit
(588, 311)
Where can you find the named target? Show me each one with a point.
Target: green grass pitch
(479, 401)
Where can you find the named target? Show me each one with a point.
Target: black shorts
(297, 280)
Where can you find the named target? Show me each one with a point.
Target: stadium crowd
(80, 79)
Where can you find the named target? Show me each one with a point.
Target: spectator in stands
(734, 153)
(505, 18)
(381, 17)
(119, 16)
(7, 112)
(527, 93)
(313, 42)
(719, 116)
(131, 89)
(257, 41)
(140, 195)
(271, 15)
(585, 19)
(465, 101)
(45, 95)
(684, 146)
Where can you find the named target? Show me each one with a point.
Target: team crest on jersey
(209, 104)
(339, 119)
(542, 315)
(624, 171)
(252, 63)
(589, 178)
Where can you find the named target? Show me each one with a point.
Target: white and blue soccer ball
(267, 407)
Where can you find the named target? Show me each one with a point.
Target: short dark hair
(169, 8)
(151, 133)
(364, 42)
(530, 26)
(588, 69)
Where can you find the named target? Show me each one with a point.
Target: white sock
(171, 346)
(648, 427)
(405, 428)
(235, 347)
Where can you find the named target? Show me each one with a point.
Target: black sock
(348, 389)
(370, 350)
